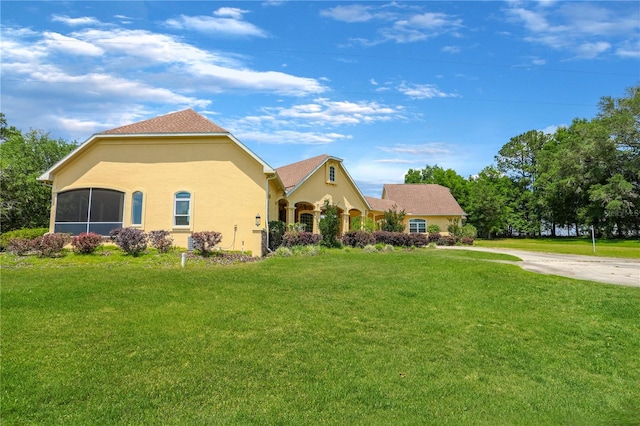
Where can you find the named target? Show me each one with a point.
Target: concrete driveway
(610, 270)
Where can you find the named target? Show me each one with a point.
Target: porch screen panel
(89, 210)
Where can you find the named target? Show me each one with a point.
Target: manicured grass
(584, 246)
(412, 337)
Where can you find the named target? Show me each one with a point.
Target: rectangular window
(136, 208)
(332, 174)
(417, 226)
(182, 209)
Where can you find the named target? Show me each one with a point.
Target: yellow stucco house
(183, 173)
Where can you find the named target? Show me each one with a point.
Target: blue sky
(386, 86)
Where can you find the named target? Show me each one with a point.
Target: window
(89, 210)
(417, 226)
(307, 220)
(136, 208)
(332, 174)
(182, 209)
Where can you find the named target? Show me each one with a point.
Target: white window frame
(417, 224)
(177, 199)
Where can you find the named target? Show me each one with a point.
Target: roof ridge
(184, 121)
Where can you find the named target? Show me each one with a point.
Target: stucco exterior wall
(227, 185)
(341, 192)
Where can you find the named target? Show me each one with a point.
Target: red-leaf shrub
(358, 239)
(205, 241)
(434, 237)
(396, 239)
(294, 238)
(50, 244)
(86, 242)
(20, 246)
(131, 240)
(447, 240)
(418, 240)
(161, 240)
(468, 241)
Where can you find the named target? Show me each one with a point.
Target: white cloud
(584, 29)
(291, 137)
(71, 45)
(351, 13)
(424, 91)
(76, 22)
(413, 150)
(228, 21)
(451, 49)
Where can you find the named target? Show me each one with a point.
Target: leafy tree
(393, 220)
(330, 225)
(25, 202)
(488, 209)
(518, 159)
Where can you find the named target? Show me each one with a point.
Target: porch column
(316, 220)
(291, 215)
(345, 222)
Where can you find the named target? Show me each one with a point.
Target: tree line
(582, 176)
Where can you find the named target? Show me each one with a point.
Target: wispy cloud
(585, 30)
(396, 23)
(424, 91)
(76, 22)
(226, 21)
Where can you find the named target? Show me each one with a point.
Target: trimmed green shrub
(86, 242)
(205, 241)
(161, 240)
(132, 241)
(50, 244)
(369, 249)
(431, 229)
(469, 231)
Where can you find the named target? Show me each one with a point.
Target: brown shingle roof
(423, 199)
(379, 204)
(293, 174)
(187, 121)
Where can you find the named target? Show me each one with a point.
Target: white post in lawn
(184, 259)
(593, 239)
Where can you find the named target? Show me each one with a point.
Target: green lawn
(584, 246)
(411, 337)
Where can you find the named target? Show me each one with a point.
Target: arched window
(136, 208)
(182, 209)
(417, 226)
(89, 210)
(332, 174)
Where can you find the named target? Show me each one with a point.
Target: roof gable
(423, 199)
(294, 174)
(186, 121)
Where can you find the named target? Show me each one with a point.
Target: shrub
(358, 239)
(469, 231)
(205, 241)
(388, 248)
(161, 240)
(467, 241)
(361, 223)
(26, 233)
(131, 240)
(19, 246)
(50, 244)
(369, 249)
(432, 229)
(418, 240)
(454, 227)
(397, 239)
(283, 251)
(276, 232)
(434, 237)
(86, 242)
(294, 238)
(330, 226)
(393, 220)
(447, 240)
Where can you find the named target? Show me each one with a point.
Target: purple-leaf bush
(161, 240)
(132, 241)
(359, 239)
(205, 241)
(295, 238)
(50, 244)
(86, 242)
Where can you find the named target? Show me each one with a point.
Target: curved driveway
(611, 270)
